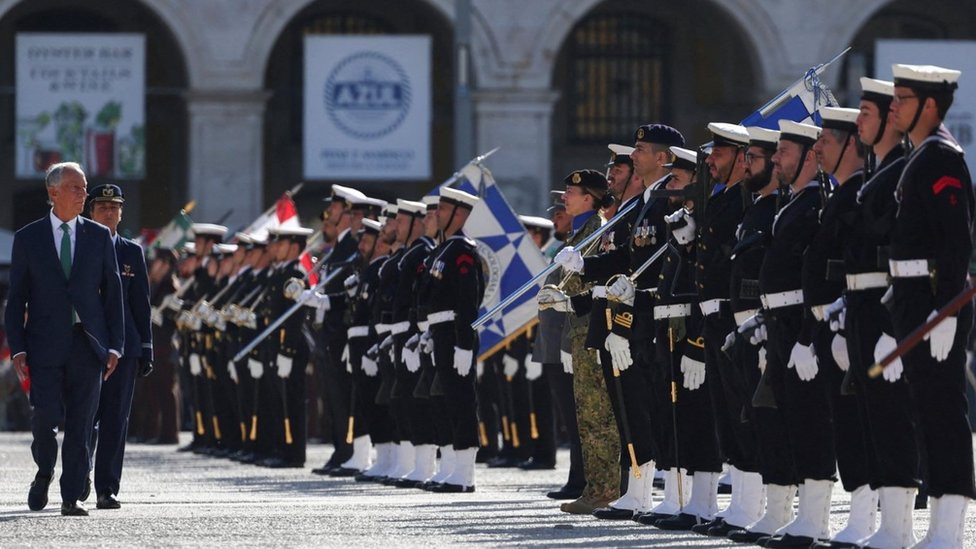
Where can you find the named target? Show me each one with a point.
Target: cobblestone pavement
(177, 499)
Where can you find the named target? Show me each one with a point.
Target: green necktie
(66, 249)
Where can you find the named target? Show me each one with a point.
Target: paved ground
(176, 499)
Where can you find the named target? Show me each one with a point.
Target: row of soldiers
(735, 318)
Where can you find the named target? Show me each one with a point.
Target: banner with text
(81, 98)
(367, 107)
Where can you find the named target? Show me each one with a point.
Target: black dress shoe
(566, 492)
(724, 488)
(73, 509)
(704, 527)
(446, 488)
(363, 477)
(87, 491)
(407, 483)
(286, 464)
(788, 540)
(107, 501)
(503, 462)
(681, 521)
(187, 448)
(613, 513)
(651, 519)
(428, 485)
(344, 472)
(220, 452)
(37, 496)
(532, 464)
(722, 530)
(745, 536)
(249, 458)
(323, 470)
(658, 483)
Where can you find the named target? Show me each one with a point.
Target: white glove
(386, 346)
(622, 290)
(940, 338)
(567, 360)
(313, 299)
(685, 234)
(195, 367)
(345, 354)
(533, 370)
(570, 259)
(838, 348)
(463, 360)
(413, 342)
(619, 349)
(882, 348)
(156, 316)
(755, 327)
(370, 367)
(805, 362)
(426, 344)
(694, 373)
(352, 284)
(232, 370)
(759, 336)
(411, 359)
(836, 314)
(256, 368)
(284, 366)
(509, 366)
(479, 369)
(554, 299)
(762, 360)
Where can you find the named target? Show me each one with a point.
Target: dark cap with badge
(591, 181)
(660, 134)
(106, 193)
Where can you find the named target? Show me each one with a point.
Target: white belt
(357, 331)
(908, 268)
(382, 328)
(423, 325)
(400, 327)
(820, 311)
(782, 299)
(866, 281)
(672, 311)
(440, 317)
(742, 316)
(711, 306)
(599, 292)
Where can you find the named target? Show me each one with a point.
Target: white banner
(951, 54)
(81, 98)
(367, 107)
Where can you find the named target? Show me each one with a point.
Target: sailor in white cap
(931, 246)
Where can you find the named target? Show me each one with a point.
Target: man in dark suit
(112, 417)
(64, 270)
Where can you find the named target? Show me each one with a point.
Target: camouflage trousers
(597, 427)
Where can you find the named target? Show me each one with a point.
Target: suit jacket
(135, 298)
(38, 284)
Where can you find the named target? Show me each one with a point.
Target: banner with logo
(367, 107)
(81, 98)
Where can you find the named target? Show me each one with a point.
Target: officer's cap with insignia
(371, 227)
(877, 91)
(620, 154)
(837, 118)
(209, 231)
(683, 159)
(728, 135)
(106, 193)
(298, 235)
(557, 202)
(802, 134)
(660, 134)
(430, 201)
(458, 198)
(591, 181)
(926, 77)
(408, 207)
(534, 222)
(763, 138)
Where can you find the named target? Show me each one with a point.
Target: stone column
(518, 121)
(226, 154)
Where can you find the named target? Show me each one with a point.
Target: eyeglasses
(900, 98)
(749, 157)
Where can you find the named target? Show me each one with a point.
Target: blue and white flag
(801, 102)
(509, 257)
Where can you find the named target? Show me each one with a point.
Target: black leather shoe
(37, 496)
(834, 545)
(87, 491)
(704, 527)
(323, 470)
(722, 530)
(503, 462)
(681, 521)
(429, 485)
(285, 464)
(613, 513)
(363, 477)
(107, 501)
(745, 536)
(344, 472)
(658, 483)
(651, 519)
(787, 540)
(407, 483)
(73, 509)
(271, 462)
(532, 464)
(724, 488)
(565, 493)
(452, 488)
(187, 448)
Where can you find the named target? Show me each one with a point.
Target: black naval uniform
(385, 295)
(933, 226)
(892, 451)
(192, 347)
(371, 417)
(291, 346)
(248, 385)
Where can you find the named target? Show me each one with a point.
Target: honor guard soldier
(115, 399)
(930, 250)
(455, 288)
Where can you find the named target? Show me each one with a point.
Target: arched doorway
(626, 63)
(284, 80)
(152, 200)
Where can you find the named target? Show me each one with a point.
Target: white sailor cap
(730, 135)
(879, 91)
(224, 249)
(408, 207)
(369, 203)
(838, 118)
(371, 226)
(804, 134)
(763, 137)
(190, 247)
(620, 154)
(345, 194)
(458, 198)
(390, 210)
(208, 229)
(534, 222)
(295, 234)
(685, 159)
(431, 201)
(925, 76)
(244, 238)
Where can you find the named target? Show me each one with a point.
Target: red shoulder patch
(945, 182)
(462, 262)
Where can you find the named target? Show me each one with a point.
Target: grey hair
(52, 178)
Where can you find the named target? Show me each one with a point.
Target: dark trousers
(294, 406)
(564, 402)
(737, 439)
(271, 434)
(336, 384)
(460, 397)
(493, 415)
(246, 397)
(66, 392)
(544, 444)
(111, 426)
(636, 384)
(804, 404)
(891, 432)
